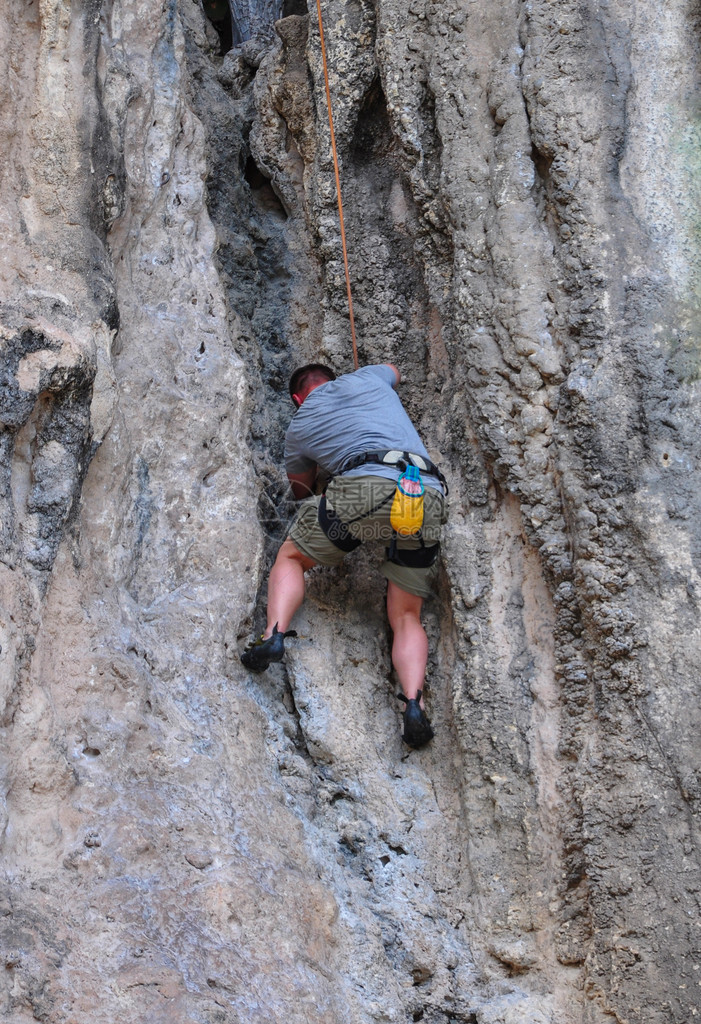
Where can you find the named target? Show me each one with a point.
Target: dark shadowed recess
(219, 14)
(239, 20)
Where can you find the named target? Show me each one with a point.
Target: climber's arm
(303, 483)
(397, 374)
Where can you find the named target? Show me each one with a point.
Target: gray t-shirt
(358, 412)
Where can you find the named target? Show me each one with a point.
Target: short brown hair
(305, 374)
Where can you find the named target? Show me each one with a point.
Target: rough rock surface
(184, 842)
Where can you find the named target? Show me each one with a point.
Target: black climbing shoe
(260, 653)
(417, 728)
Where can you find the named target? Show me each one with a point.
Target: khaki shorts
(353, 496)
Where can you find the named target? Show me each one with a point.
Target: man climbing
(355, 429)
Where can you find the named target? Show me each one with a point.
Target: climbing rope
(338, 187)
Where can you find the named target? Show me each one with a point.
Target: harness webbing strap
(413, 558)
(336, 529)
(338, 533)
(396, 458)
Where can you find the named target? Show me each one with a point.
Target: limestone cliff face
(184, 842)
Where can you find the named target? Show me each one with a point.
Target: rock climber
(355, 429)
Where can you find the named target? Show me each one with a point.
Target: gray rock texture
(183, 842)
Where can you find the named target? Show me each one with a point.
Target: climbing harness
(338, 532)
(396, 458)
(338, 186)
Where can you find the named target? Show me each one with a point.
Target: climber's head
(306, 378)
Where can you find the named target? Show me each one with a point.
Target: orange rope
(338, 187)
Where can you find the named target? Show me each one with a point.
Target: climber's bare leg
(410, 643)
(286, 586)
